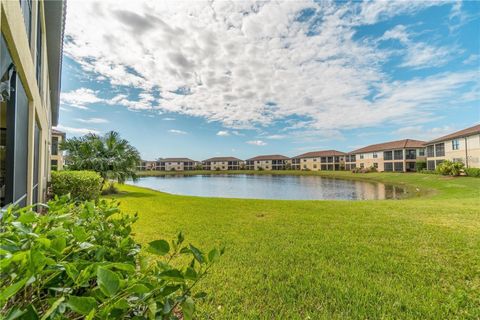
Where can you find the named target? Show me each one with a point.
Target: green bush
(420, 165)
(449, 168)
(79, 261)
(81, 185)
(472, 172)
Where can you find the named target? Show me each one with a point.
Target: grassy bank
(416, 258)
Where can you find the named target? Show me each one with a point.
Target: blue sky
(202, 79)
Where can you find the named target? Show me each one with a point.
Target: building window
(455, 144)
(362, 165)
(388, 155)
(440, 150)
(26, 6)
(431, 165)
(421, 152)
(375, 155)
(54, 164)
(431, 151)
(54, 146)
(361, 156)
(375, 165)
(39, 50)
(398, 166)
(388, 166)
(411, 154)
(398, 154)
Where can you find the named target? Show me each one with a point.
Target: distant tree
(109, 155)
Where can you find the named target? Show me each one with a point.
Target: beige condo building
(56, 158)
(268, 162)
(175, 164)
(461, 146)
(223, 163)
(320, 160)
(396, 156)
(30, 60)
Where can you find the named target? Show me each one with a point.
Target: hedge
(81, 185)
(472, 172)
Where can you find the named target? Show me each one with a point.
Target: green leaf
(160, 247)
(53, 308)
(172, 274)
(29, 313)
(58, 244)
(121, 304)
(108, 281)
(123, 266)
(79, 233)
(213, 255)
(139, 288)
(12, 290)
(27, 217)
(191, 274)
(82, 305)
(197, 254)
(180, 238)
(188, 308)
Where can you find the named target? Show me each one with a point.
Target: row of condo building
(397, 156)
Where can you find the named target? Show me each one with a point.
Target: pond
(280, 187)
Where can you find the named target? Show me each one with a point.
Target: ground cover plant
(79, 261)
(417, 258)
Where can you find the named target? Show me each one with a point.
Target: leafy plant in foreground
(80, 261)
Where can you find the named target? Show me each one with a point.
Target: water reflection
(272, 187)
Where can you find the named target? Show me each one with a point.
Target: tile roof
(323, 153)
(216, 159)
(398, 144)
(269, 157)
(459, 134)
(58, 132)
(176, 160)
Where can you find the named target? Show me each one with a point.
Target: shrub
(449, 168)
(81, 185)
(80, 261)
(472, 172)
(420, 165)
(260, 169)
(364, 170)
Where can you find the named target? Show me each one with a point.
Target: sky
(212, 78)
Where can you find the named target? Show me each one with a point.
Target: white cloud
(168, 119)
(250, 64)
(422, 133)
(76, 131)
(80, 98)
(257, 142)
(223, 133)
(276, 136)
(175, 131)
(93, 120)
(419, 55)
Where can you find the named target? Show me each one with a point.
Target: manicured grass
(417, 258)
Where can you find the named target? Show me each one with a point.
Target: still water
(280, 187)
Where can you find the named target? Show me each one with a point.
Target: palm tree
(109, 155)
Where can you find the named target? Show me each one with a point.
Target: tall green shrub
(450, 168)
(81, 185)
(472, 172)
(79, 261)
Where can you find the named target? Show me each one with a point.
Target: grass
(411, 259)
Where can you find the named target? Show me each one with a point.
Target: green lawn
(416, 258)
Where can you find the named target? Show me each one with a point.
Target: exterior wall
(321, 163)
(468, 152)
(266, 164)
(23, 55)
(177, 165)
(383, 163)
(57, 158)
(222, 165)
